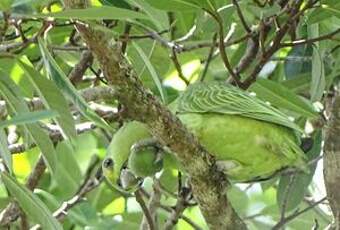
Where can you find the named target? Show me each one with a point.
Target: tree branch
(311, 40)
(332, 160)
(209, 184)
(146, 211)
(240, 15)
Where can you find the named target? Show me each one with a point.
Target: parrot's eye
(108, 163)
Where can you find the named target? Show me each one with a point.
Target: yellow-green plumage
(250, 139)
(119, 148)
(261, 148)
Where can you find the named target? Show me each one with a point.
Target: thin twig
(179, 208)
(240, 15)
(78, 71)
(286, 196)
(294, 15)
(154, 200)
(291, 217)
(140, 36)
(170, 210)
(145, 209)
(224, 56)
(311, 40)
(187, 48)
(178, 67)
(125, 36)
(62, 211)
(208, 60)
(12, 210)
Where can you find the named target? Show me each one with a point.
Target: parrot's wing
(223, 98)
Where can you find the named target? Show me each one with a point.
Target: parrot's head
(122, 179)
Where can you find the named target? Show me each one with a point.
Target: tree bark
(209, 185)
(332, 161)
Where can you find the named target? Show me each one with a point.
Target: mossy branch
(209, 185)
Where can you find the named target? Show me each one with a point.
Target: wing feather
(223, 98)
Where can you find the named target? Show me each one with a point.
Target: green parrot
(250, 139)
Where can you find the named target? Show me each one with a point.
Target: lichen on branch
(209, 185)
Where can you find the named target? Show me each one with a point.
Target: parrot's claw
(148, 143)
(228, 165)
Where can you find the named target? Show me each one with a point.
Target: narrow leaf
(99, 13)
(174, 5)
(151, 69)
(68, 169)
(282, 97)
(158, 17)
(51, 97)
(4, 151)
(29, 117)
(299, 83)
(33, 207)
(318, 82)
(300, 181)
(64, 84)
(13, 96)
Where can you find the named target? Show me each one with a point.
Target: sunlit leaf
(282, 97)
(29, 117)
(152, 70)
(14, 98)
(51, 97)
(99, 13)
(158, 17)
(64, 84)
(318, 82)
(4, 151)
(33, 207)
(174, 5)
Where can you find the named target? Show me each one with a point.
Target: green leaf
(76, 215)
(282, 97)
(206, 4)
(51, 97)
(299, 83)
(99, 13)
(174, 5)
(33, 207)
(120, 4)
(325, 11)
(158, 17)
(29, 117)
(300, 181)
(5, 154)
(5, 5)
(14, 98)
(151, 69)
(298, 61)
(64, 84)
(69, 173)
(318, 82)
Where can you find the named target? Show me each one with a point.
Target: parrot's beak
(128, 181)
(124, 181)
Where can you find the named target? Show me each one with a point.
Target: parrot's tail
(297, 155)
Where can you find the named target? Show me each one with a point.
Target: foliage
(56, 105)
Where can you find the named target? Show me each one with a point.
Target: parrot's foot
(228, 165)
(146, 158)
(151, 143)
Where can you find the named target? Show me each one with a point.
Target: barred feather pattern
(224, 98)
